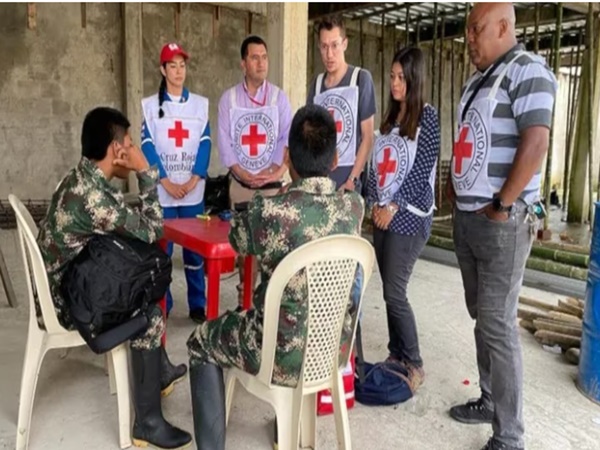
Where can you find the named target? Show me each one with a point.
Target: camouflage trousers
(235, 340)
(147, 340)
(232, 340)
(151, 338)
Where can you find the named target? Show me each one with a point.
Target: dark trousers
(492, 258)
(396, 257)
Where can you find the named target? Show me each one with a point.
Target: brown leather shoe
(416, 376)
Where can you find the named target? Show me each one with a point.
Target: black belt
(264, 187)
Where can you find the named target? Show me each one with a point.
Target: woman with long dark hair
(400, 194)
(176, 138)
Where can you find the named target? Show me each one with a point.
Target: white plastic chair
(39, 341)
(330, 265)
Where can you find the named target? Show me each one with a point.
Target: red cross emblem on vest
(387, 166)
(338, 123)
(462, 149)
(253, 139)
(178, 133)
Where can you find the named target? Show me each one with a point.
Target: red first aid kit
(324, 399)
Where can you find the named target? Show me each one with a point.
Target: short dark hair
(101, 127)
(330, 22)
(312, 141)
(251, 40)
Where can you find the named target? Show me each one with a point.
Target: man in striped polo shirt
(505, 117)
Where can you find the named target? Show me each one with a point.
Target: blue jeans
(192, 262)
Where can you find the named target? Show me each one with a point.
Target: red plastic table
(210, 239)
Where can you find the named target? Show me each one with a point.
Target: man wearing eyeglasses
(347, 92)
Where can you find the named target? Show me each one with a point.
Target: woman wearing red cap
(176, 138)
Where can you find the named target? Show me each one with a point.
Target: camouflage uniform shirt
(84, 204)
(271, 229)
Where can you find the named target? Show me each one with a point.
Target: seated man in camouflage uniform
(84, 204)
(270, 229)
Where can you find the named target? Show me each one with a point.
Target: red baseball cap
(169, 51)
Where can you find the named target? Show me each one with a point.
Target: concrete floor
(73, 408)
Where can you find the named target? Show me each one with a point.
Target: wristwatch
(499, 206)
(354, 180)
(393, 209)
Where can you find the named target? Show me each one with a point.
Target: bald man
(505, 115)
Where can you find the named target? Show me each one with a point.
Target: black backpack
(109, 286)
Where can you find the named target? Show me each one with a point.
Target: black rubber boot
(169, 373)
(208, 406)
(150, 427)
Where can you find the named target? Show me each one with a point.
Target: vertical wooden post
(31, 16)
(434, 51)
(441, 106)
(536, 30)
(83, 15)
(177, 20)
(570, 81)
(465, 74)
(362, 55)
(406, 27)
(590, 111)
(382, 61)
(452, 83)
(556, 49)
(418, 33)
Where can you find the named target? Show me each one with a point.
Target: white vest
(254, 132)
(471, 150)
(176, 138)
(342, 104)
(393, 159)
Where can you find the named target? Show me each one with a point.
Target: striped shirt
(525, 99)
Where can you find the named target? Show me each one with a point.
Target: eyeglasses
(334, 46)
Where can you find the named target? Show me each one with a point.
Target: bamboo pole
(548, 180)
(574, 108)
(564, 341)
(535, 263)
(590, 111)
(418, 33)
(452, 83)
(362, 54)
(528, 325)
(536, 30)
(565, 317)
(383, 61)
(557, 327)
(570, 80)
(406, 27)
(434, 51)
(440, 107)
(465, 74)
(535, 303)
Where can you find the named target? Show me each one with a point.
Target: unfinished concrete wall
(53, 74)
(50, 77)
(212, 38)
